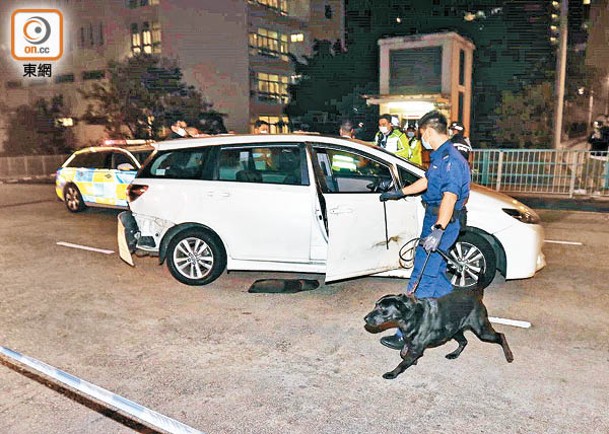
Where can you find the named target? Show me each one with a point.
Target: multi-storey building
(236, 51)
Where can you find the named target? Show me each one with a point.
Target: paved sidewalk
(584, 203)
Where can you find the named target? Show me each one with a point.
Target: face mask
(181, 132)
(410, 134)
(384, 130)
(263, 132)
(426, 144)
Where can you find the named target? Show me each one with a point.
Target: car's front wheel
(73, 199)
(474, 262)
(196, 257)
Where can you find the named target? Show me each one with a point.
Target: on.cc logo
(36, 30)
(37, 34)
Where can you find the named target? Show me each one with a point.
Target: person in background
(178, 130)
(346, 129)
(394, 140)
(446, 187)
(459, 140)
(414, 144)
(262, 127)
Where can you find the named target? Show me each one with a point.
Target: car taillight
(135, 191)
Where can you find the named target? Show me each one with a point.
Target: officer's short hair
(346, 125)
(434, 120)
(386, 116)
(260, 123)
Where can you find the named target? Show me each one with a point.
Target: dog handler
(446, 185)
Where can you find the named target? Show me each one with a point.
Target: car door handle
(341, 210)
(224, 194)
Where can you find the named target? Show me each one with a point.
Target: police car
(306, 203)
(98, 176)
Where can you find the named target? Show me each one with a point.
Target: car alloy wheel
(474, 264)
(73, 199)
(196, 257)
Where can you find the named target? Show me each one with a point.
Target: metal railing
(559, 172)
(30, 166)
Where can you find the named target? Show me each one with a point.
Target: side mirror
(125, 166)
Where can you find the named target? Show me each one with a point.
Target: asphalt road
(225, 361)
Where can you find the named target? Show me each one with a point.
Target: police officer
(461, 142)
(414, 144)
(446, 185)
(394, 140)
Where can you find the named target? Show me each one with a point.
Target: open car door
(351, 184)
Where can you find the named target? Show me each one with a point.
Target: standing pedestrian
(394, 140)
(262, 127)
(414, 144)
(346, 129)
(459, 140)
(446, 186)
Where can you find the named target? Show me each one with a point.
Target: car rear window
(178, 164)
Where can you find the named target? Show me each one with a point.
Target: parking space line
(109, 399)
(91, 249)
(569, 243)
(510, 322)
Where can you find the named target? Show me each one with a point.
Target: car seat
(248, 176)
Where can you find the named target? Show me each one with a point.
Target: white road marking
(111, 400)
(510, 322)
(570, 243)
(91, 249)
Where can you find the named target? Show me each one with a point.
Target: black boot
(395, 342)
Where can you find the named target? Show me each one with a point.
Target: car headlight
(523, 214)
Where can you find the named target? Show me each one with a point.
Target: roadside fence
(30, 166)
(554, 172)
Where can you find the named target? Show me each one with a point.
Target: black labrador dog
(429, 323)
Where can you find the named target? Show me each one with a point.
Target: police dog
(429, 323)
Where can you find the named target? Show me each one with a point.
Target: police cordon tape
(112, 400)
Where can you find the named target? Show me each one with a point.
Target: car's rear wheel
(475, 262)
(196, 257)
(73, 199)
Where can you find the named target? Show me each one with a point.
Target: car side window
(178, 164)
(120, 158)
(264, 163)
(348, 172)
(91, 160)
(406, 177)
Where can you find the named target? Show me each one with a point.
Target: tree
(331, 87)
(34, 129)
(141, 95)
(524, 117)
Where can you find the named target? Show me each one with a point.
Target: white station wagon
(306, 203)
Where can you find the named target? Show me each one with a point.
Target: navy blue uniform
(448, 172)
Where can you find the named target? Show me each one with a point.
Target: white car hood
(488, 205)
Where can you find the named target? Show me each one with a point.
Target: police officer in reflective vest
(446, 188)
(394, 140)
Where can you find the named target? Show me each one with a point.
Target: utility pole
(561, 70)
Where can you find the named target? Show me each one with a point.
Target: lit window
(156, 37)
(136, 40)
(269, 43)
(297, 37)
(146, 38)
(272, 88)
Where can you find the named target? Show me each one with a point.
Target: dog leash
(443, 254)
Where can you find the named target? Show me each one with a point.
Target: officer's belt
(435, 210)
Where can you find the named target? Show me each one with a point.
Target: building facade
(237, 52)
